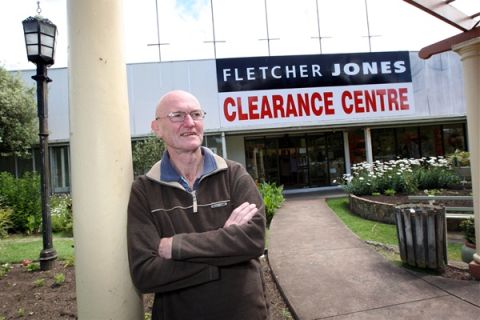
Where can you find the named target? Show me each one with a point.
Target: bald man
(196, 225)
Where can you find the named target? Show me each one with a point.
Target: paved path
(325, 271)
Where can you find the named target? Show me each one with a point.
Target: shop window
(356, 146)
(408, 145)
(297, 161)
(271, 161)
(454, 138)
(383, 144)
(214, 143)
(336, 156)
(318, 160)
(59, 169)
(431, 144)
(254, 150)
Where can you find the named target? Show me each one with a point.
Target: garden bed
(22, 295)
(381, 208)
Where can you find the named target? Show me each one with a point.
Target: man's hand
(242, 214)
(165, 248)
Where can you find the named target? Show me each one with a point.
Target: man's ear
(157, 129)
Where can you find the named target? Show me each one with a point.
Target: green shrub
(272, 198)
(58, 279)
(459, 158)
(435, 177)
(40, 282)
(146, 153)
(5, 269)
(61, 214)
(5, 221)
(468, 228)
(399, 176)
(390, 192)
(33, 267)
(22, 195)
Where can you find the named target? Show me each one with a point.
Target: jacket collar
(163, 171)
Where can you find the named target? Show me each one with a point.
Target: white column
(224, 146)
(101, 161)
(346, 151)
(368, 145)
(469, 52)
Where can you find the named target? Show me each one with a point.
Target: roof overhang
(443, 10)
(447, 44)
(446, 12)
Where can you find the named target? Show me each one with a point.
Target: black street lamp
(40, 36)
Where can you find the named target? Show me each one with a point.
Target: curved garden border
(372, 210)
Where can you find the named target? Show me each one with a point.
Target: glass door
(318, 162)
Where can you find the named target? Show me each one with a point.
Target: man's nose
(188, 121)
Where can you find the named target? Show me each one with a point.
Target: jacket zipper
(194, 198)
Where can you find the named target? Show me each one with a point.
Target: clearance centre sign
(265, 91)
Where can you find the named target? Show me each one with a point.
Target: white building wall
(437, 84)
(58, 120)
(147, 82)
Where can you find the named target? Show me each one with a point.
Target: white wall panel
(437, 84)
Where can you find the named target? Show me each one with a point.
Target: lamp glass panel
(31, 38)
(47, 29)
(31, 26)
(46, 40)
(32, 50)
(47, 51)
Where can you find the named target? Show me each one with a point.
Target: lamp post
(40, 36)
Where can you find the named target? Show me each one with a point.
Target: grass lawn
(15, 248)
(376, 231)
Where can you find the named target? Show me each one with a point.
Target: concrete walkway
(325, 271)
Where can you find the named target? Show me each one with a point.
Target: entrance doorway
(296, 161)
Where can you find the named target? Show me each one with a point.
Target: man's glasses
(179, 116)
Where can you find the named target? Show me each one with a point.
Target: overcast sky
(185, 26)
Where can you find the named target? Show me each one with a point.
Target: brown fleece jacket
(214, 272)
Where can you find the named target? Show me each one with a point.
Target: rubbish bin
(422, 236)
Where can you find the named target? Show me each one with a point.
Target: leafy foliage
(146, 153)
(61, 214)
(18, 118)
(5, 221)
(22, 195)
(272, 198)
(58, 279)
(468, 228)
(4, 269)
(20, 206)
(459, 158)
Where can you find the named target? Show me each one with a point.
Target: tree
(18, 118)
(146, 153)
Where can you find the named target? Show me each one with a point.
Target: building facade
(299, 121)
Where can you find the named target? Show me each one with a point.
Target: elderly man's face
(180, 136)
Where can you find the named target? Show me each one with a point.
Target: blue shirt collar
(169, 173)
